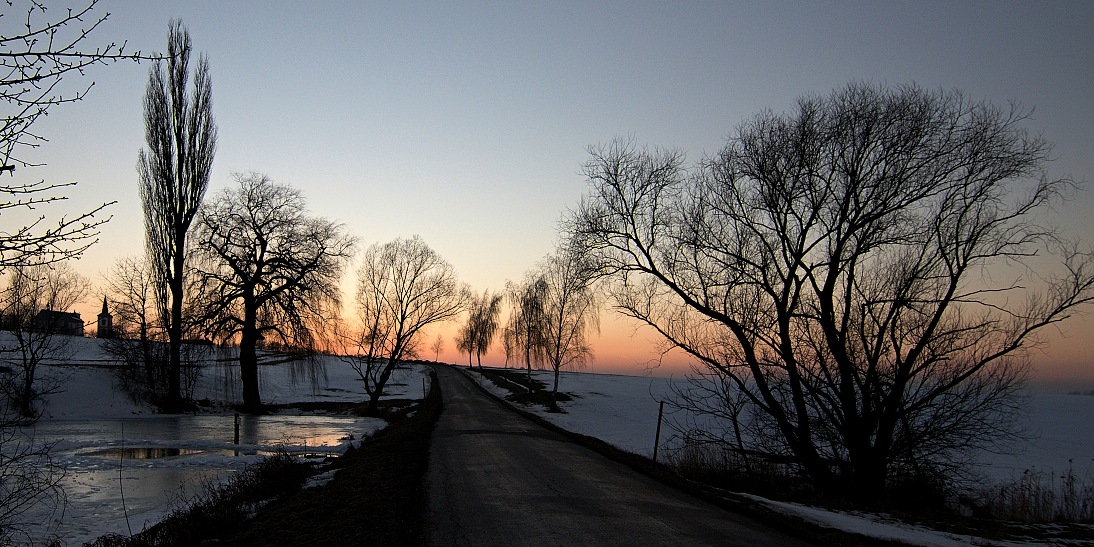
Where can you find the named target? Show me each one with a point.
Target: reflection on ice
(143, 452)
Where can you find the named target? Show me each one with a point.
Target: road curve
(496, 478)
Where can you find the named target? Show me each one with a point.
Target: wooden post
(657, 437)
(237, 428)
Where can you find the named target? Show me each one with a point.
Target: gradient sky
(468, 123)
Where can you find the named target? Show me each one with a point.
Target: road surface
(496, 478)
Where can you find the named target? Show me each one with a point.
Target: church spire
(106, 323)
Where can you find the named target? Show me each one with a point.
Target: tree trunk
(248, 372)
(554, 393)
(869, 472)
(528, 362)
(26, 400)
(374, 399)
(174, 331)
(248, 360)
(868, 483)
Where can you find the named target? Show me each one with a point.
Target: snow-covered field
(622, 410)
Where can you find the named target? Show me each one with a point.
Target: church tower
(106, 323)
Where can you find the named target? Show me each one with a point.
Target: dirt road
(496, 478)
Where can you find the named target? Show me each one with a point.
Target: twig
(121, 487)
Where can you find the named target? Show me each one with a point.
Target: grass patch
(387, 407)
(1034, 507)
(522, 390)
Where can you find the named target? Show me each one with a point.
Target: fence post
(657, 437)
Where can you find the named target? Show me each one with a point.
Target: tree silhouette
(527, 325)
(174, 174)
(266, 271)
(403, 286)
(570, 311)
(37, 57)
(482, 323)
(31, 303)
(850, 269)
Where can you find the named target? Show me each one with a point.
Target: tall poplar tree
(174, 174)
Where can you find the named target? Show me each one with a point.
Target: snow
(622, 410)
(877, 526)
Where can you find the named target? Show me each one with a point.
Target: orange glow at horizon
(1063, 361)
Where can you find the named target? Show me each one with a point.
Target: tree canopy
(267, 270)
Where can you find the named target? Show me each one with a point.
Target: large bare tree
(866, 270)
(403, 286)
(174, 174)
(41, 50)
(268, 271)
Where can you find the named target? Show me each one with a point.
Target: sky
(468, 122)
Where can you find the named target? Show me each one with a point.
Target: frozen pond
(156, 460)
(114, 448)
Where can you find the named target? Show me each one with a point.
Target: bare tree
(854, 268)
(140, 340)
(526, 327)
(130, 291)
(34, 302)
(174, 174)
(267, 270)
(508, 344)
(465, 342)
(403, 286)
(31, 481)
(482, 322)
(570, 311)
(437, 346)
(38, 53)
